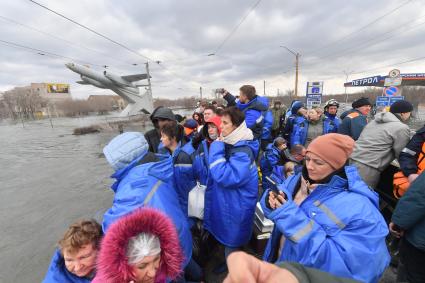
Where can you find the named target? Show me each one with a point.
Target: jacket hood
(112, 262)
(263, 100)
(253, 145)
(216, 121)
(125, 148)
(296, 106)
(163, 113)
(386, 117)
(357, 185)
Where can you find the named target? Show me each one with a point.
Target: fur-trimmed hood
(112, 264)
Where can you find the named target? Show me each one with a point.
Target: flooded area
(49, 179)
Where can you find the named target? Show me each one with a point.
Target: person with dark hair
(184, 179)
(160, 116)
(214, 103)
(232, 183)
(278, 112)
(354, 121)
(270, 158)
(298, 116)
(253, 108)
(381, 141)
(199, 118)
(209, 112)
(326, 217)
(75, 259)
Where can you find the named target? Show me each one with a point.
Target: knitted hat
(401, 106)
(332, 148)
(191, 124)
(361, 102)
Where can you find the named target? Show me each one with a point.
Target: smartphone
(273, 187)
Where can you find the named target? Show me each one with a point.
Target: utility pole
(346, 80)
(264, 88)
(200, 91)
(149, 78)
(297, 61)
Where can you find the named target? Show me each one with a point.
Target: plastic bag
(196, 201)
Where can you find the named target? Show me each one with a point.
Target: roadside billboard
(57, 88)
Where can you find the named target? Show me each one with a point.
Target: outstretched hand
(244, 268)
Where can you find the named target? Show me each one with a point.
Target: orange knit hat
(332, 148)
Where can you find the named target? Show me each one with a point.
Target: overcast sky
(363, 37)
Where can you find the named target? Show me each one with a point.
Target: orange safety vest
(400, 182)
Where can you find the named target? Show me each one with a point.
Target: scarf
(241, 133)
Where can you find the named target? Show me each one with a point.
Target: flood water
(49, 178)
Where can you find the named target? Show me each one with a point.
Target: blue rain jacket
(331, 123)
(184, 178)
(231, 194)
(268, 119)
(57, 272)
(338, 228)
(300, 129)
(269, 160)
(135, 182)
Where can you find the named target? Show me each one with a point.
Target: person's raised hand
(244, 268)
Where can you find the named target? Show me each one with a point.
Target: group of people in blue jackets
(313, 225)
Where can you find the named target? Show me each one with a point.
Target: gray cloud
(181, 34)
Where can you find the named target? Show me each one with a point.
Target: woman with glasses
(326, 217)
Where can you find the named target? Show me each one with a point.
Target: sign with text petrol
(371, 81)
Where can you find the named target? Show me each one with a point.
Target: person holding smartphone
(326, 217)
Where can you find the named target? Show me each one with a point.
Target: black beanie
(361, 102)
(401, 106)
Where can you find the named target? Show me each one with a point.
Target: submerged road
(49, 179)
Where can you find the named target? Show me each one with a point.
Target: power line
(235, 28)
(43, 52)
(391, 65)
(363, 27)
(93, 31)
(62, 39)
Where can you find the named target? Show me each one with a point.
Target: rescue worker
(408, 222)
(75, 259)
(331, 119)
(353, 123)
(142, 246)
(412, 157)
(143, 179)
(278, 112)
(326, 217)
(381, 142)
(190, 127)
(250, 104)
(266, 134)
(232, 183)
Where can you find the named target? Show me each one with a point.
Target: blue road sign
(395, 98)
(382, 101)
(390, 91)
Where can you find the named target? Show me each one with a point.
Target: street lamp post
(297, 59)
(346, 80)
